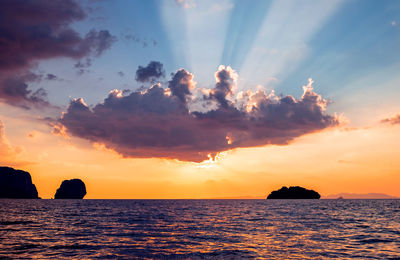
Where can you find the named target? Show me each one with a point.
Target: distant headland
(16, 184)
(360, 196)
(294, 192)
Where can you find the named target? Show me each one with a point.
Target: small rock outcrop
(16, 184)
(294, 192)
(71, 189)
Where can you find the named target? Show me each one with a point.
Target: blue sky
(276, 44)
(237, 97)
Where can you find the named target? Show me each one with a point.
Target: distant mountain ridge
(360, 196)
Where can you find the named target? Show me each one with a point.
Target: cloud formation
(14, 91)
(159, 122)
(392, 120)
(51, 76)
(181, 84)
(151, 72)
(33, 30)
(226, 80)
(6, 150)
(136, 39)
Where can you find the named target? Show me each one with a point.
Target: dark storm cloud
(33, 30)
(158, 122)
(392, 120)
(151, 72)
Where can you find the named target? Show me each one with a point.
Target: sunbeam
(206, 39)
(282, 41)
(243, 30)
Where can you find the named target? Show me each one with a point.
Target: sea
(199, 229)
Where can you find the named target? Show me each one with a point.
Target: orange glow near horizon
(362, 160)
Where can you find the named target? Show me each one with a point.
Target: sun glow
(212, 161)
(147, 138)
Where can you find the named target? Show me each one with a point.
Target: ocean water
(200, 229)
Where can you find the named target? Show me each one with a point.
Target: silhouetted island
(16, 184)
(71, 189)
(294, 192)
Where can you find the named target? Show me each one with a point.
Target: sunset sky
(202, 98)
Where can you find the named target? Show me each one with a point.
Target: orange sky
(160, 79)
(358, 160)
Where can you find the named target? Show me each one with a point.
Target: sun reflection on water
(188, 229)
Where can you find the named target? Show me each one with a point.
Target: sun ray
(282, 40)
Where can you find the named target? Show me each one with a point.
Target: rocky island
(71, 189)
(294, 192)
(16, 184)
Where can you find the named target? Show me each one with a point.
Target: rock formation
(16, 184)
(71, 189)
(294, 192)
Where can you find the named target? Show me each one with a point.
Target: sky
(185, 99)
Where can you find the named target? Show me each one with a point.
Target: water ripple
(200, 229)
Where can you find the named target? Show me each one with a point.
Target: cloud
(151, 72)
(5, 148)
(83, 65)
(51, 76)
(159, 122)
(392, 120)
(226, 80)
(11, 155)
(35, 30)
(14, 91)
(7, 152)
(99, 41)
(129, 37)
(181, 84)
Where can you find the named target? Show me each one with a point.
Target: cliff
(16, 184)
(71, 189)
